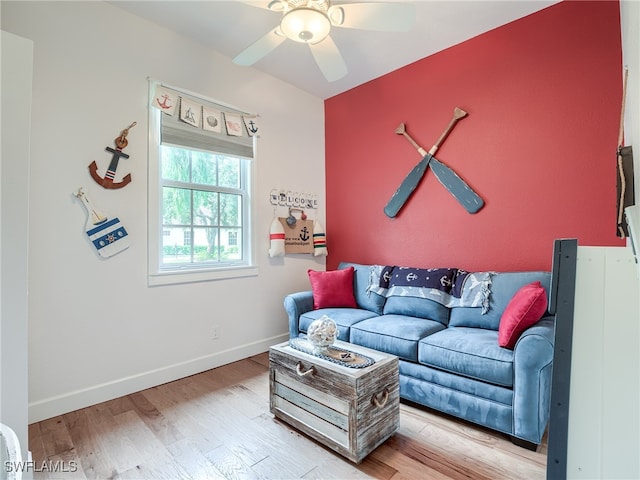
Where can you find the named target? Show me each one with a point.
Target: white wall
(96, 330)
(17, 66)
(630, 27)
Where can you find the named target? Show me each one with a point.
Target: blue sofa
(450, 359)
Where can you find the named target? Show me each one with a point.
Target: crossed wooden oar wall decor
(462, 192)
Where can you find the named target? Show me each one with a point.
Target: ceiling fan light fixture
(305, 25)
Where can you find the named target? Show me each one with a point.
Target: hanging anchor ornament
(107, 182)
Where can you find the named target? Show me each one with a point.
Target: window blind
(175, 131)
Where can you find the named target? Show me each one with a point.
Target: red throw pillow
(332, 289)
(526, 307)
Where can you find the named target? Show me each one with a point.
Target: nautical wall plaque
(117, 153)
(107, 234)
(298, 238)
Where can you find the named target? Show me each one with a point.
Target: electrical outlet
(215, 332)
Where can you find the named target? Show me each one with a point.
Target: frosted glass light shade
(305, 25)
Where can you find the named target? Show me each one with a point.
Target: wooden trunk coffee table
(350, 410)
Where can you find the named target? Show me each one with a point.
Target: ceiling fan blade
(273, 5)
(384, 17)
(259, 48)
(329, 59)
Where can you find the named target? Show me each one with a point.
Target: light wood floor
(217, 425)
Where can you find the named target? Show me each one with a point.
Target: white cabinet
(604, 406)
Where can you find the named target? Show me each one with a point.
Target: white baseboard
(68, 402)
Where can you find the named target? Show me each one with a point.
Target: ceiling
(230, 26)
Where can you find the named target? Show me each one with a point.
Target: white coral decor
(322, 333)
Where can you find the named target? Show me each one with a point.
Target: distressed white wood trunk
(350, 410)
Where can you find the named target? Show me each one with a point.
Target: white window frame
(157, 275)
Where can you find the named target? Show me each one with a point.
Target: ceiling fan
(310, 22)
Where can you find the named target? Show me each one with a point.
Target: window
(202, 199)
(233, 238)
(199, 201)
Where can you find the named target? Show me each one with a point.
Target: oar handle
(458, 113)
(421, 150)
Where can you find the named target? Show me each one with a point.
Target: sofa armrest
(533, 363)
(295, 305)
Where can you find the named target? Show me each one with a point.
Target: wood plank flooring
(217, 425)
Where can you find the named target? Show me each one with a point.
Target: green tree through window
(203, 194)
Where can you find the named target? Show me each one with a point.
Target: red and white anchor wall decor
(108, 180)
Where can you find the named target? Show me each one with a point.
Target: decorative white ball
(322, 333)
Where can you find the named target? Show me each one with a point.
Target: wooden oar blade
(462, 192)
(407, 187)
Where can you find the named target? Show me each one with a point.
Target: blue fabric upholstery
(417, 307)
(364, 299)
(455, 382)
(471, 352)
(503, 287)
(463, 405)
(296, 304)
(395, 334)
(450, 359)
(344, 318)
(533, 360)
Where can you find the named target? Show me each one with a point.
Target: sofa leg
(524, 443)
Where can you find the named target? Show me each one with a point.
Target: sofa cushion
(364, 298)
(395, 334)
(457, 383)
(417, 307)
(344, 318)
(472, 352)
(526, 307)
(503, 288)
(333, 288)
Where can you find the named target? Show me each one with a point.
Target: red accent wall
(543, 95)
